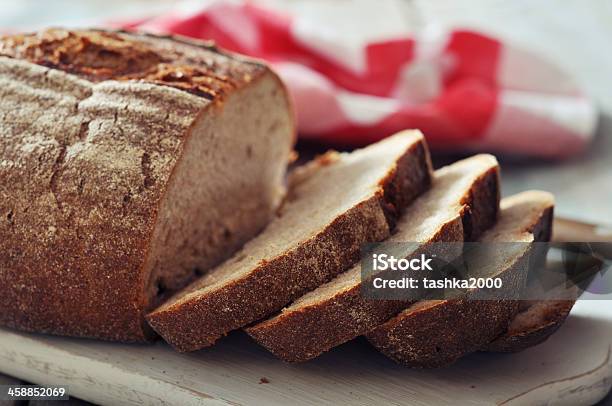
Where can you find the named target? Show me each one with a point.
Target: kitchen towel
(465, 90)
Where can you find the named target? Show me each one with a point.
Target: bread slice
(462, 201)
(336, 204)
(551, 299)
(536, 321)
(433, 333)
(128, 163)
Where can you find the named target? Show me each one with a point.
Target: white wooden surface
(573, 367)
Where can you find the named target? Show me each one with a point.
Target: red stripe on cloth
(384, 62)
(469, 104)
(470, 97)
(473, 56)
(452, 119)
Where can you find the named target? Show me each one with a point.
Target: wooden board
(573, 367)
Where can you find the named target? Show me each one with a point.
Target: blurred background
(572, 35)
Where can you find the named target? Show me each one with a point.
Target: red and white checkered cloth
(464, 90)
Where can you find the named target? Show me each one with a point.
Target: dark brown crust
(481, 206)
(89, 282)
(99, 55)
(197, 323)
(439, 334)
(307, 334)
(519, 341)
(408, 182)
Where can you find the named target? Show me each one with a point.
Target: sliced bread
(462, 201)
(336, 204)
(433, 333)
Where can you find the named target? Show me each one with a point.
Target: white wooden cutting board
(573, 367)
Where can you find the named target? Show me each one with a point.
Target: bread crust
(198, 322)
(442, 331)
(306, 333)
(85, 162)
(521, 340)
(193, 66)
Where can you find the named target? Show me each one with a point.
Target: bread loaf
(129, 164)
(462, 201)
(336, 204)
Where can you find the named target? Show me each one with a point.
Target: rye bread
(462, 201)
(434, 333)
(550, 300)
(536, 321)
(335, 205)
(110, 146)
